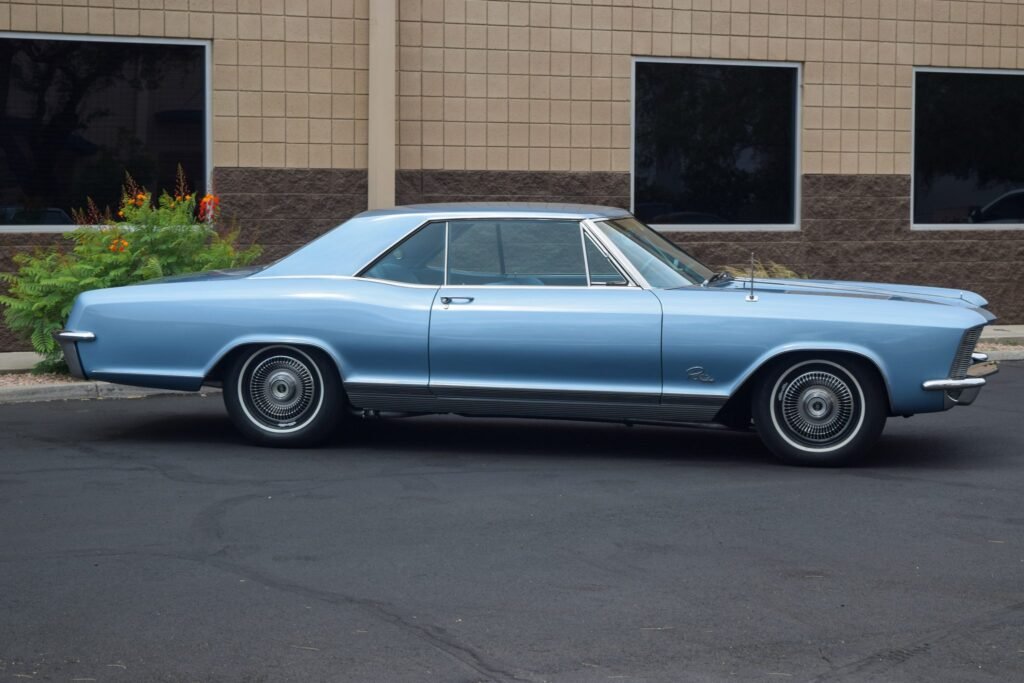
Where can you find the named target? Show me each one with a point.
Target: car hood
(868, 290)
(223, 274)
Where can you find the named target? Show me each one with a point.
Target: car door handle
(448, 300)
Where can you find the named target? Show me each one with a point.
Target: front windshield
(663, 264)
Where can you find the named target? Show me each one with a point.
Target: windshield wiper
(720, 275)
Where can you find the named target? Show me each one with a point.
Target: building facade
(844, 139)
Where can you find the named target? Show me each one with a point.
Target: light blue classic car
(524, 310)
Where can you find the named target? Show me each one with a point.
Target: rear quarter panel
(172, 335)
(730, 338)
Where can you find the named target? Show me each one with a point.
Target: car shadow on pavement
(441, 438)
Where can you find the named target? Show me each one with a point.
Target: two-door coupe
(526, 310)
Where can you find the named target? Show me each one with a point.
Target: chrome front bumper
(68, 341)
(962, 392)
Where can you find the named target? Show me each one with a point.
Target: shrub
(147, 240)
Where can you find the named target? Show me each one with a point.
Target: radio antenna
(751, 296)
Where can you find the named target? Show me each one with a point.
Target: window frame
(208, 100)
(913, 148)
(586, 230)
(797, 142)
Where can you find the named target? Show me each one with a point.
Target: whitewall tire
(283, 395)
(821, 410)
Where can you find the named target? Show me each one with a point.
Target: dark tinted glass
(74, 116)
(515, 252)
(418, 260)
(968, 164)
(714, 144)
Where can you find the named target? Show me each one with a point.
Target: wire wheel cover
(817, 407)
(280, 390)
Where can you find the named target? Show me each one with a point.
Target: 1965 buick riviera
(520, 310)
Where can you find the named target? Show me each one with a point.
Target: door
(521, 317)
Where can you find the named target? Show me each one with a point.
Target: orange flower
(119, 244)
(208, 207)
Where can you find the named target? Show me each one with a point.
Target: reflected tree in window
(76, 115)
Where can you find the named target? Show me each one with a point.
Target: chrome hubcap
(280, 390)
(818, 407)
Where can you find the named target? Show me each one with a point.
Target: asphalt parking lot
(144, 541)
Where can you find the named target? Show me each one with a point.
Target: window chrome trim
(590, 231)
(798, 95)
(207, 46)
(972, 227)
(586, 230)
(586, 261)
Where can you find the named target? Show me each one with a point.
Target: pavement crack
(435, 636)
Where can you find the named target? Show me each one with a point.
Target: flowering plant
(147, 239)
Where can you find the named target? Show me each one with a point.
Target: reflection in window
(515, 252)
(968, 167)
(418, 260)
(75, 115)
(715, 144)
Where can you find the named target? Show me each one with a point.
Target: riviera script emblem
(697, 374)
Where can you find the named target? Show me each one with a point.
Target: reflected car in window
(1006, 208)
(539, 311)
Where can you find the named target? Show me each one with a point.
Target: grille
(962, 361)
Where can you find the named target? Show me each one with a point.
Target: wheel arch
(738, 404)
(215, 371)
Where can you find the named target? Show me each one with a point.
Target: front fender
(819, 347)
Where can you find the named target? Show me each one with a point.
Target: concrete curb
(1006, 355)
(67, 391)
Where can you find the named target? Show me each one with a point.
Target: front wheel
(284, 396)
(820, 411)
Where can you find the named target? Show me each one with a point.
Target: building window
(715, 144)
(968, 167)
(75, 115)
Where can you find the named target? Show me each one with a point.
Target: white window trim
(913, 147)
(207, 124)
(798, 140)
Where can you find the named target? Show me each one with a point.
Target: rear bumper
(963, 392)
(68, 340)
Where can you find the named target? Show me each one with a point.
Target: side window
(602, 270)
(516, 252)
(419, 259)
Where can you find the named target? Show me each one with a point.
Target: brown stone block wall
(283, 209)
(606, 188)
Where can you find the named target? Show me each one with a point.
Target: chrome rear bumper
(68, 340)
(962, 392)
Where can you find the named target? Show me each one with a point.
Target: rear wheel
(820, 411)
(283, 395)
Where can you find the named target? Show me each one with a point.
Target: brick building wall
(531, 100)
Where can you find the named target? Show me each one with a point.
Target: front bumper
(963, 392)
(68, 340)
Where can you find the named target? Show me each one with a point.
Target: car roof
(505, 209)
(348, 248)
